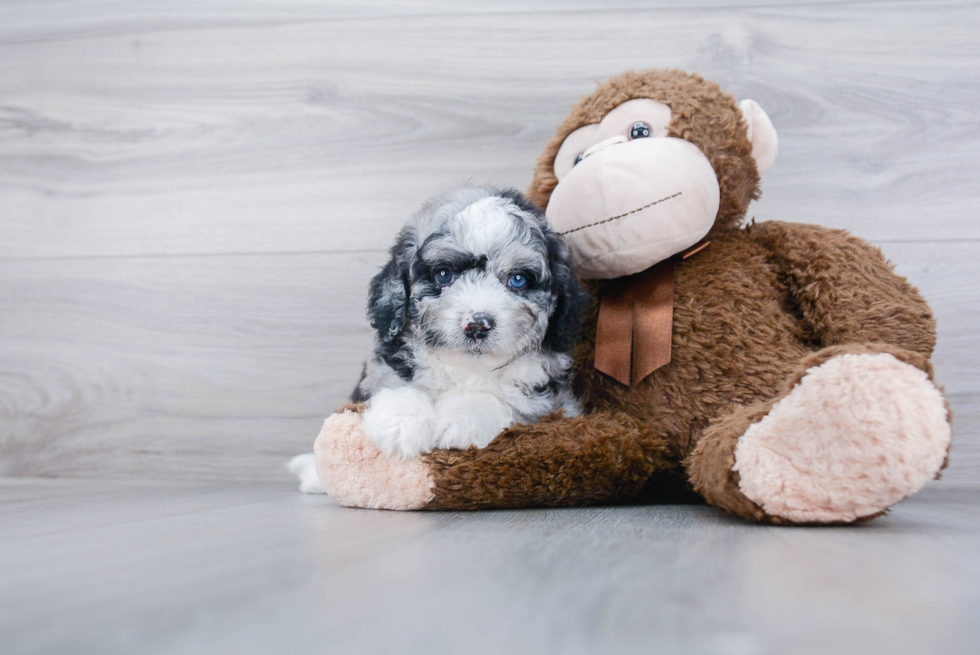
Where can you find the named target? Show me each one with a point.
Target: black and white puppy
(475, 316)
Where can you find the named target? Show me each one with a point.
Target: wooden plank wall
(193, 195)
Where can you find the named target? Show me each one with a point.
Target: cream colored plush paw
(355, 472)
(858, 434)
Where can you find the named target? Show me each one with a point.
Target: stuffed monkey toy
(779, 371)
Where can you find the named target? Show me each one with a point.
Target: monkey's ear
(388, 293)
(765, 143)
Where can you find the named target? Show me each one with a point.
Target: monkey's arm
(845, 290)
(592, 459)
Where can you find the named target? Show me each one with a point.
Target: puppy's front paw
(400, 422)
(469, 420)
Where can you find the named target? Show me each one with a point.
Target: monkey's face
(646, 166)
(629, 195)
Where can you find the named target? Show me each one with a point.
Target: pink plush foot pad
(858, 434)
(355, 473)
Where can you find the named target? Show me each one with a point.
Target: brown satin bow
(635, 326)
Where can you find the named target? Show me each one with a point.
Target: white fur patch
(461, 400)
(470, 419)
(483, 225)
(401, 422)
(304, 468)
(858, 434)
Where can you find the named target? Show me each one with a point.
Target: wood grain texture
(176, 366)
(194, 195)
(126, 136)
(122, 567)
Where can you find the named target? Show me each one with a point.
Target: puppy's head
(477, 272)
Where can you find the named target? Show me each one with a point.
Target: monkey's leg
(856, 429)
(585, 460)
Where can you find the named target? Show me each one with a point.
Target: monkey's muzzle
(628, 205)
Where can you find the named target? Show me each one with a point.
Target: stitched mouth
(614, 218)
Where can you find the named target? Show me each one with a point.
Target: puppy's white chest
(448, 375)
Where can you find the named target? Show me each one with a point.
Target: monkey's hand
(558, 461)
(354, 471)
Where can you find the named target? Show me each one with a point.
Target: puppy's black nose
(479, 326)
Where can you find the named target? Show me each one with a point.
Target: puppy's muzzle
(477, 326)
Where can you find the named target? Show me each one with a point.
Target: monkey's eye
(444, 277)
(640, 130)
(517, 281)
(579, 158)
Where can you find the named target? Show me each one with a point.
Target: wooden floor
(129, 567)
(193, 196)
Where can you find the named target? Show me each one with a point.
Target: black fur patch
(357, 396)
(563, 326)
(388, 292)
(388, 304)
(522, 202)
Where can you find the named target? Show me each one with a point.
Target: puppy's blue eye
(517, 281)
(444, 277)
(580, 157)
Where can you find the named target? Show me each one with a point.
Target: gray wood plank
(28, 20)
(145, 366)
(100, 567)
(209, 129)
(222, 367)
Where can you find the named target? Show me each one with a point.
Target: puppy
(475, 316)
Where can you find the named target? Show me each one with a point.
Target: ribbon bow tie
(636, 318)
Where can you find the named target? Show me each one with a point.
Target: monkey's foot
(355, 473)
(858, 434)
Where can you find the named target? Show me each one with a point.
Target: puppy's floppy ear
(563, 326)
(389, 290)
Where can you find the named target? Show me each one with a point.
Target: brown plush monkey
(778, 370)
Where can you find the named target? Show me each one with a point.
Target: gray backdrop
(193, 195)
